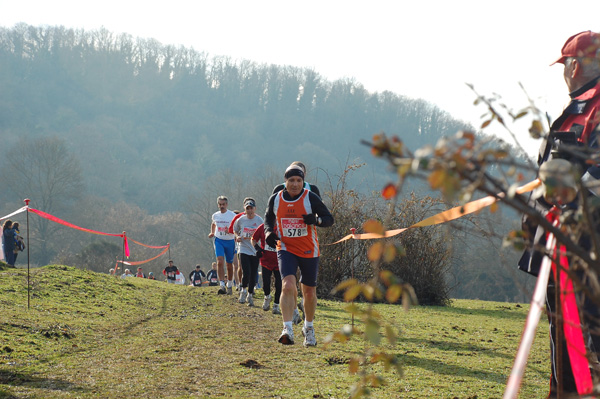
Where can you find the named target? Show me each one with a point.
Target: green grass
(90, 335)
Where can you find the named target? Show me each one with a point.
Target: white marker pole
(533, 318)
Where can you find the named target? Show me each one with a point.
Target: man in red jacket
(573, 137)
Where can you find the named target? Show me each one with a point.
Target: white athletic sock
(222, 283)
(308, 323)
(288, 324)
(229, 283)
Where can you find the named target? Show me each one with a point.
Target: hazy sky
(420, 49)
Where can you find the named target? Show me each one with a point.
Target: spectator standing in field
(575, 132)
(291, 218)
(151, 276)
(244, 228)
(2, 257)
(10, 240)
(19, 241)
(224, 244)
(171, 272)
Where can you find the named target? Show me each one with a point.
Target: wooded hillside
(153, 122)
(154, 133)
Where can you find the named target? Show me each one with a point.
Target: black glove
(259, 251)
(310, 218)
(271, 239)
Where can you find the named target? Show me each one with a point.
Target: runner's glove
(271, 239)
(310, 218)
(259, 251)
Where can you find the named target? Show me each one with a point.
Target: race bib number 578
(293, 227)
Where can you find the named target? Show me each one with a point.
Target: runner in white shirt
(244, 228)
(224, 244)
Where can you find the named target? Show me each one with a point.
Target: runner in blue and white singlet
(224, 243)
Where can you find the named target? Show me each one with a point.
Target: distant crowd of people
(173, 275)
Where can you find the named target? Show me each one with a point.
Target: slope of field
(89, 335)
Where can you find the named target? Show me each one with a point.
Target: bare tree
(44, 171)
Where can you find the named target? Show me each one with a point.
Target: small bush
(426, 256)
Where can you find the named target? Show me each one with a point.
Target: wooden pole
(123, 256)
(353, 231)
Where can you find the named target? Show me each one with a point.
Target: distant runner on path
(211, 276)
(196, 276)
(171, 272)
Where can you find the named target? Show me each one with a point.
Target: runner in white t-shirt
(224, 244)
(244, 228)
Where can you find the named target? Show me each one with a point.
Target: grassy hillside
(89, 335)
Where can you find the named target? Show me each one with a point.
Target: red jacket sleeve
(259, 235)
(236, 217)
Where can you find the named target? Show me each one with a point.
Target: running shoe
(309, 336)
(222, 290)
(229, 291)
(250, 300)
(267, 303)
(296, 319)
(287, 336)
(243, 295)
(276, 309)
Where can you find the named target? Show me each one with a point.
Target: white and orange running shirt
(295, 236)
